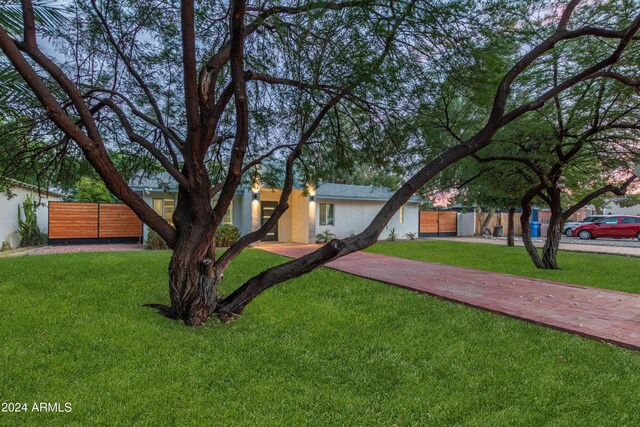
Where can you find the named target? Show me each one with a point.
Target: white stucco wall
(353, 216)
(466, 224)
(9, 211)
(301, 222)
(299, 206)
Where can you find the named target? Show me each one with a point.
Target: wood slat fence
(438, 223)
(73, 223)
(500, 218)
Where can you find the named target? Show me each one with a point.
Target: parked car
(618, 226)
(568, 226)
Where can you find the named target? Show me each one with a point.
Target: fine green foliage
(30, 234)
(325, 236)
(600, 271)
(154, 241)
(410, 236)
(13, 90)
(91, 190)
(226, 235)
(324, 349)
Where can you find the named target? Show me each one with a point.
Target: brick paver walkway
(598, 314)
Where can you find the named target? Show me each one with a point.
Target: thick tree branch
(610, 188)
(147, 145)
(236, 302)
(190, 74)
(92, 149)
(209, 72)
(29, 24)
(241, 107)
(525, 161)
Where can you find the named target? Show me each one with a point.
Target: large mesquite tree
(210, 90)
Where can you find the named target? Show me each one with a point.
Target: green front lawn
(602, 271)
(326, 349)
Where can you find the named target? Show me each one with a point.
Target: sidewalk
(575, 247)
(599, 314)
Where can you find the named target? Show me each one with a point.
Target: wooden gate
(438, 223)
(74, 223)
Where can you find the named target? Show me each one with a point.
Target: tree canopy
(208, 91)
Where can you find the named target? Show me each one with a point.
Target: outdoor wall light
(256, 195)
(312, 198)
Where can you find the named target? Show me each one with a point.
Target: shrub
(226, 235)
(393, 235)
(30, 234)
(154, 241)
(411, 236)
(325, 236)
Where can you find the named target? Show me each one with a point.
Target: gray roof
(165, 182)
(356, 192)
(48, 191)
(159, 182)
(162, 182)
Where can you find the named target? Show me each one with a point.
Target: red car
(619, 227)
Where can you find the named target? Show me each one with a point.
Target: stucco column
(312, 221)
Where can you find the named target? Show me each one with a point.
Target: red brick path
(598, 314)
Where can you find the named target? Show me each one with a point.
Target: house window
(402, 215)
(164, 208)
(326, 214)
(228, 217)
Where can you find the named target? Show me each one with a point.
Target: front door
(267, 210)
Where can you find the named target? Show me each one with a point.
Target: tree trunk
(554, 234)
(193, 286)
(526, 234)
(193, 281)
(511, 232)
(484, 229)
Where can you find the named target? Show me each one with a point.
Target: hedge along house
(339, 209)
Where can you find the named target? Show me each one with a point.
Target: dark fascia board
(367, 199)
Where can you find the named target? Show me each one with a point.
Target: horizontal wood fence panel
(448, 222)
(428, 221)
(500, 219)
(438, 223)
(119, 221)
(71, 223)
(73, 220)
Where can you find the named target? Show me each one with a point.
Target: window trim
(332, 208)
(163, 208)
(230, 213)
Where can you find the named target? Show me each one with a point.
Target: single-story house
(10, 206)
(340, 209)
